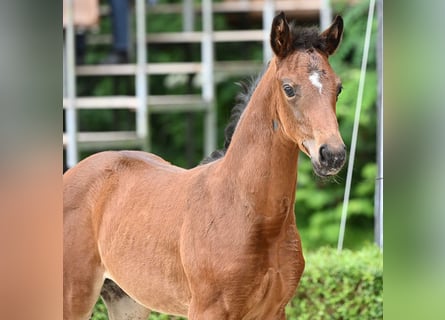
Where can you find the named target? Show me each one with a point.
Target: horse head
(308, 89)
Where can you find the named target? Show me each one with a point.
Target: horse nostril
(324, 153)
(330, 157)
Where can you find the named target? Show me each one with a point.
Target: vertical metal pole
(325, 14)
(358, 108)
(188, 16)
(142, 117)
(208, 85)
(268, 15)
(378, 199)
(70, 112)
(188, 25)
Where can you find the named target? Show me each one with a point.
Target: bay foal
(218, 241)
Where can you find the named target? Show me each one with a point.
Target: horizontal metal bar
(130, 102)
(237, 67)
(130, 69)
(188, 37)
(299, 7)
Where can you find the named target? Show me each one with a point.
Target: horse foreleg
(282, 316)
(119, 305)
(216, 310)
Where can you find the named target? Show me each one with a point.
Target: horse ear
(332, 35)
(280, 38)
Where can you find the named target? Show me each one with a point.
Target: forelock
(304, 38)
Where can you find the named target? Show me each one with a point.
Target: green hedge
(334, 286)
(340, 286)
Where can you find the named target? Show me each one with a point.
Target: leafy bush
(347, 285)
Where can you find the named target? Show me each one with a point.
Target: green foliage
(347, 285)
(159, 316)
(100, 311)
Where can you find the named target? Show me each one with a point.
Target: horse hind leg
(83, 273)
(119, 305)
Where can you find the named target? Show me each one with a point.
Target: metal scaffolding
(143, 102)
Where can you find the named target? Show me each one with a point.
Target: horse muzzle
(330, 160)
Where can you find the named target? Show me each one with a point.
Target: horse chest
(258, 263)
(271, 283)
(269, 298)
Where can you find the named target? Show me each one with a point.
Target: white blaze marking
(315, 80)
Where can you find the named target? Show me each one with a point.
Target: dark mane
(303, 38)
(242, 100)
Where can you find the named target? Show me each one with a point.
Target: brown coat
(86, 13)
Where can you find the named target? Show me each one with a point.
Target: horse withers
(218, 241)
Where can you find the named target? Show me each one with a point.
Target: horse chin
(324, 172)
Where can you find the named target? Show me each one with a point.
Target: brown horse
(218, 241)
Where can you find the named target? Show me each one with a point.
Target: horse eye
(289, 90)
(339, 90)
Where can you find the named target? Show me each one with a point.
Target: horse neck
(260, 160)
